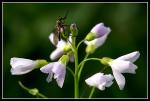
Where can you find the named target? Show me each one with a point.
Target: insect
(60, 29)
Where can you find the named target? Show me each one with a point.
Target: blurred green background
(26, 27)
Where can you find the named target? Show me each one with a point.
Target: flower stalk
(76, 83)
(92, 92)
(33, 91)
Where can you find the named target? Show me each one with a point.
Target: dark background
(26, 27)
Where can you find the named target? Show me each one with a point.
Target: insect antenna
(66, 14)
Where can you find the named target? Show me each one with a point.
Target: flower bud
(40, 63)
(105, 60)
(21, 65)
(34, 91)
(64, 59)
(90, 49)
(97, 31)
(94, 44)
(67, 48)
(90, 36)
(73, 29)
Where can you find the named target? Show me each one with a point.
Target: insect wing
(56, 37)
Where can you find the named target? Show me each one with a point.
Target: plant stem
(76, 74)
(80, 43)
(97, 59)
(82, 65)
(41, 95)
(76, 83)
(22, 86)
(27, 89)
(92, 91)
(71, 71)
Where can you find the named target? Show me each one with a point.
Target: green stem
(76, 74)
(80, 68)
(92, 92)
(71, 71)
(80, 43)
(97, 59)
(22, 86)
(76, 83)
(27, 89)
(41, 95)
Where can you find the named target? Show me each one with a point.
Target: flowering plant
(67, 51)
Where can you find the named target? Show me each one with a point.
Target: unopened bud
(105, 60)
(90, 36)
(41, 63)
(90, 49)
(34, 91)
(73, 29)
(67, 48)
(64, 59)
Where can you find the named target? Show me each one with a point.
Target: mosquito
(60, 29)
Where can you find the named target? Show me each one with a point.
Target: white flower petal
(58, 68)
(90, 82)
(101, 87)
(99, 30)
(109, 83)
(108, 80)
(20, 71)
(60, 80)
(87, 42)
(109, 77)
(21, 66)
(119, 79)
(123, 66)
(96, 28)
(51, 38)
(49, 78)
(100, 81)
(57, 53)
(130, 57)
(98, 41)
(59, 71)
(15, 62)
(94, 80)
(61, 44)
(47, 68)
(70, 38)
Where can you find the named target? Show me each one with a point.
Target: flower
(52, 39)
(58, 69)
(59, 51)
(22, 66)
(124, 64)
(96, 43)
(100, 80)
(61, 48)
(97, 31)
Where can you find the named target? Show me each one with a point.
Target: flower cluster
(96, 37)
(67, 51)
(123, 64)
